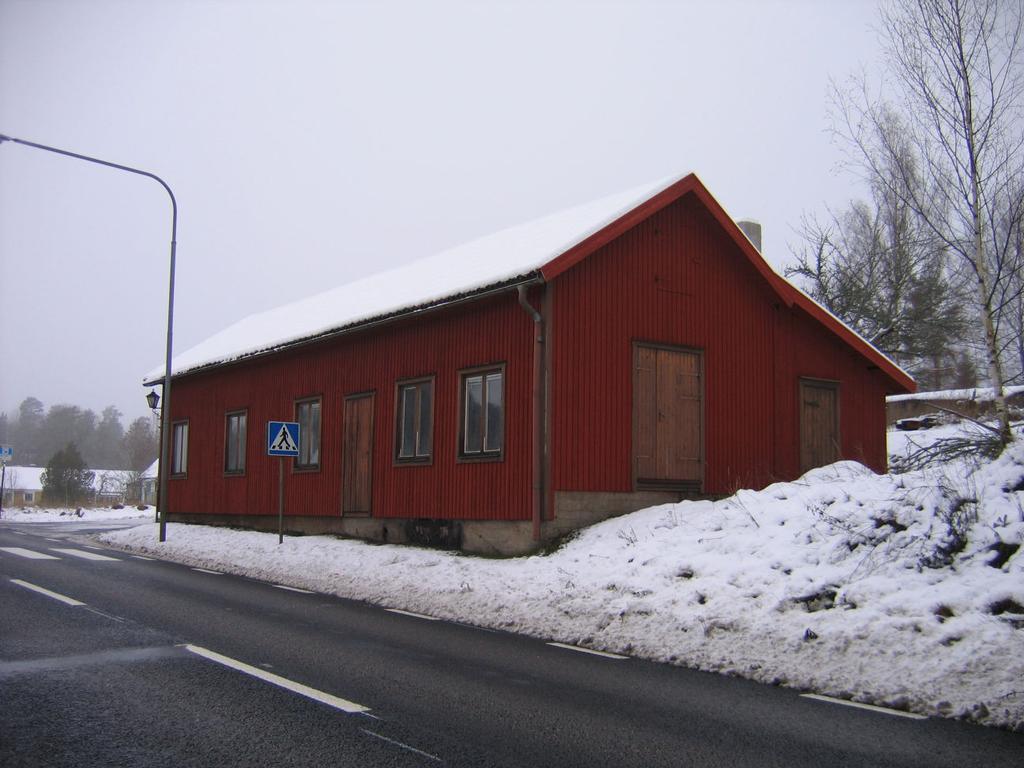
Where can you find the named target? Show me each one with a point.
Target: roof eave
(530, 278)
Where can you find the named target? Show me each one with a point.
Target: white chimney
(752, 230)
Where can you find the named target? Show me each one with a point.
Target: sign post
(282, 441)
(6, 455)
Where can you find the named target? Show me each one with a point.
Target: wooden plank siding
(494, 330)
(357, 455)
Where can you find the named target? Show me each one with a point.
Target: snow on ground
(845, 583)
(903, 443)
(84, 514)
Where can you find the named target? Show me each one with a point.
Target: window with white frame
(482, 414)
(179, 451)
(234, 443)
(415, 421)
(307, 413)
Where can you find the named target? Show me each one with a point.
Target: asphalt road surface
(109, 659)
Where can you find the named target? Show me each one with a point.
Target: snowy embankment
(83, 514)
(844, 582)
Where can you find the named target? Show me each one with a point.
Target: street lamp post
(163, 470)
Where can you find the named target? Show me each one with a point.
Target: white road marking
(98, 549)
(140, 557)
(55, 595)
(869, 707)
(294, 589)
(30, 554)
(410, 613)
(204, 570)
(85, 555)
(400, 744)
(591, 651)
(105, 615)
(268, 677)
(58, 541)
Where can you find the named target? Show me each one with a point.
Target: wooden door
(819, 423)
(357, 455)
(668, 407)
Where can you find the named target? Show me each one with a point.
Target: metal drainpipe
(538, 416)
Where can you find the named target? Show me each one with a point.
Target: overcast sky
(311, 143)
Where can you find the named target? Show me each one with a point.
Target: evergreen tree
(26, 432)
(66, 479)
(109, 450)
(141, 447)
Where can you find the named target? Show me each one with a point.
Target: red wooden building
(623, 353)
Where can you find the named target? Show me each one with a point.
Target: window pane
(474, 408)
(408, 435)
(231, 461)
(424, 434)
(308, 416)
(495, 417)
(314, 435)
(242, 418)
(179, 460)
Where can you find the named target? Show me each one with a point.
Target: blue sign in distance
(282, 438)
(6, 453)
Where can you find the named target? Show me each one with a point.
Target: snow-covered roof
(543, 248)
(975, 393)
(152, 471)
(512, 253)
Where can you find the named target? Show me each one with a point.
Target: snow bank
(58, 515)
(844, 582)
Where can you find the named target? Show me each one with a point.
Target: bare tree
(878, 267)
(956, 71)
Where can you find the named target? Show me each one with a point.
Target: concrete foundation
(573, 510)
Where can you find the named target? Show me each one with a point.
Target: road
(128, 661)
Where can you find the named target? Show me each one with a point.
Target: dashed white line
(401, 745)
(204, 570)
(42, 591)
(29, 553)
(410, 613)
(140, 557)
(268, 677)
(294, 589)
(591, 651)
(869, 707)
(85, 555)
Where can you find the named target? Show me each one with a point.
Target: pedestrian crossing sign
(282, 438)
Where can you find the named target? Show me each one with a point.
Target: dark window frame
(297, 463)
(483, 455)
(177, 470)
(416, 459)
(239, 469)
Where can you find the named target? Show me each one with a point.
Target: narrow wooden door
(819, 423)
(357, 455)
(668, 406)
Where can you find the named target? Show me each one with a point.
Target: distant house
(23, 486)
(627, 352)
(149, 483)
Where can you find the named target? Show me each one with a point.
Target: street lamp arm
(174, 203)
(164, 470)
